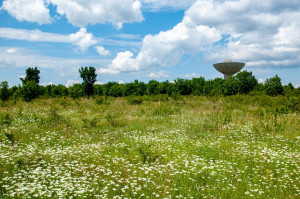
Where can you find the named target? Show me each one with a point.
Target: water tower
(228, 67)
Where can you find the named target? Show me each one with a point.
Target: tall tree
(88, 75)
(273, 86)
(4, 93)
(32, 74)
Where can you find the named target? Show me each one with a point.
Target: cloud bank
(82, 39)
(78, 13)
(260, 34)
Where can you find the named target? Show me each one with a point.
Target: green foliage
(183, 86)
(135, 88)
(32, 74)
(152, 87)
(76, 91)
(100, 100)
(30, 90)
(242, 83)
(116, 90)
(134, 100)
(4, 92)
(88, 75)
(5, 119)
(197, 85)
(274, 86)
(246, 81)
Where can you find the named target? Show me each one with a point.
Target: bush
(273, 86)
(76, 91)
(4, 92)
(133, 100)
(30, 90)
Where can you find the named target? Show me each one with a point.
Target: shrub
(273, 86)
(4, 92)
(134, 100)
(30, 90)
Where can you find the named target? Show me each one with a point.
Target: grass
(192, 147)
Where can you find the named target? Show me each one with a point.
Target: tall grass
(150, 147)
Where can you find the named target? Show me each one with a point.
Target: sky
(163, 40)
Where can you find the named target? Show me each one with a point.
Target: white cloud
(63, 66)
(11, 50)
(72, 82)
(121, 82)
(46, 83)
(81, 39)
(81, 13)
(102, 51)
(157, 5)
(165, 49)
(260, 34)
(99, 83)
(260, 80)
(189, 75)
(28, 10)
(160, 74)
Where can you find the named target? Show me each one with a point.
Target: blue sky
(148, 39)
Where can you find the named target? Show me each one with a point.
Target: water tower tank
(229, 68)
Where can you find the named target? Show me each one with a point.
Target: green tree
(32, 74)
(4, 92)
(183, 86)
(246, 81)
(76, 91)
(30, 90)
(88, 75)
(273, 86)
(152, 87)
(231, 86)
(197, 85)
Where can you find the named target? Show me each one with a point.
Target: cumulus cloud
(72, 82)
(28, 10)
(63, 66)
(160, 74)
(81, 13)
(257, 33)
(156, 5)
(165, 49)
(81, 39)
(11, 50)
(192, 75)
(102, 51)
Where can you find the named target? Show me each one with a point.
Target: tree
(30, 90)
(88, 74)
(152, 87)
(76, 91)
(273, 86)
(32, 74)
(246, 82)
(4, 92)
(30, 87)
(231, 86)
(183, 86)
(197, 85)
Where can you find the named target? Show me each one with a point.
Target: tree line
(242, 83)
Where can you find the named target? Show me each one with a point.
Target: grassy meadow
(150, 147)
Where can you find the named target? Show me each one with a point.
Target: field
(150, 147)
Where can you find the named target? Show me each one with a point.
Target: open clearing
(192, 147)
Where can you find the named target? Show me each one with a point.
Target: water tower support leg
(226, 76)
